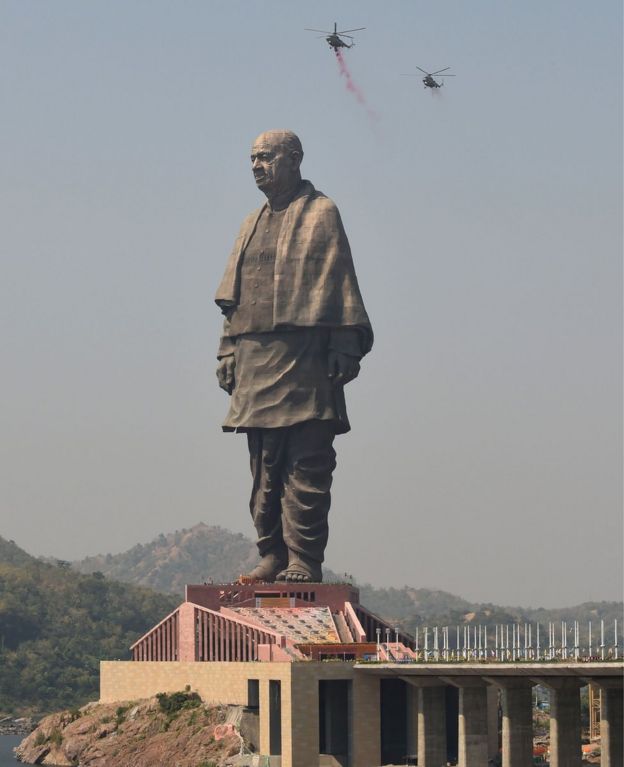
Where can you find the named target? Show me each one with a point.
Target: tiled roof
(300, 624)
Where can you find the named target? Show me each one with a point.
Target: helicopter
(428, 80)
(335, 38)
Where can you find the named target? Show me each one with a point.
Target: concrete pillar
(565, 721)
(300, 718)
(431, 726)
(473, 738)
(265, 731)
(492, 717)
(412, 720)
(611, 724)
(517, 722)
(365, 721)
(186, 628)
(473, 720)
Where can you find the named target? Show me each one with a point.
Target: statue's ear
(297, 158)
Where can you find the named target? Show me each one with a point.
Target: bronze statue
(295, 330)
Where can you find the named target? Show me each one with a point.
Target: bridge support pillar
(492, 725)
(473, 736)
(565, 721)
(611, 728)
(473, 720)
(517, 721)
(412, 720)
(431, 726)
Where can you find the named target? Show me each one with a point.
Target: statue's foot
(266, 570)
(300, 570)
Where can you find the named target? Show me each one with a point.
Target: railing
(517, 642)
(222, 637)
(377, 629)
(160, 643)
(355, 627)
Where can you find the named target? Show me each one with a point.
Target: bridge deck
(591, 670)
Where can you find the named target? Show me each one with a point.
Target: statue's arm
(344, 355)
(227, 361)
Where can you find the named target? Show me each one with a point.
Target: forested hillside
(171, 561)
(411, 607)
(56, 625)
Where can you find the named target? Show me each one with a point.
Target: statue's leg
(307, 477)
(266, 456)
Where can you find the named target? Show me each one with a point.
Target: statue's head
(275, 159)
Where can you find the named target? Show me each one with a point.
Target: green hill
(171, 561)
(11, 554)
(56, 625)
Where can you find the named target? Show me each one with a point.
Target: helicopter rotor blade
(443, 76)
(409, 74)
(440, 70)
(423, 71)
(324, 31)
(359, 29)
(340, 34)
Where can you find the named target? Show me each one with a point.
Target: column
(412, 720)
(473, 725)
(265, 732)
(473, 745)
(365, 720)
(186, 646)
(611, 727)
(565, 721)
(492, 714)
(432, 726)
(517, 721)
(300, 716)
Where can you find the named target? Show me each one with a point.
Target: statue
(294, 333)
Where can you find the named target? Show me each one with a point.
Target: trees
(55, 627)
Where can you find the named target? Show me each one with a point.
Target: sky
(485, 221)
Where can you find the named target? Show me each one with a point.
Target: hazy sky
(486, 226)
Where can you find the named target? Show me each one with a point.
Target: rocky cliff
(183, 732)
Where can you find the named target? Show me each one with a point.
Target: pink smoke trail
(352, 87)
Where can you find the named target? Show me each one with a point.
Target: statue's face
(275, 167)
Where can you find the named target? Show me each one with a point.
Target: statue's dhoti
(292, 475)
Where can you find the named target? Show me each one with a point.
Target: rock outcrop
(135, 734)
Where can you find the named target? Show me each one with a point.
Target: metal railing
(510, 642)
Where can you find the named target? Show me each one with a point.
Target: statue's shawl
(315, 281)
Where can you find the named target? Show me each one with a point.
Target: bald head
(275, 159)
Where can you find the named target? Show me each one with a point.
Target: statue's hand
(225, 373)
(342, 368)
